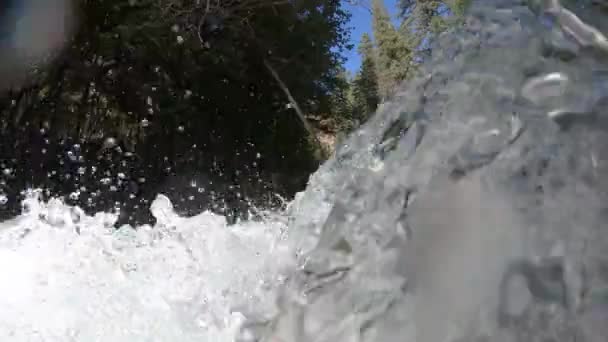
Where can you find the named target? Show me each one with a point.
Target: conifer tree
(393, 53)
(423, 19)
(365, 85)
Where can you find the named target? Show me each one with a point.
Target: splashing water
(470, 208)
(71, 277)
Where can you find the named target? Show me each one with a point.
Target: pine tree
(341, 103)
(424, 19)
(393, 53)
(365, 85)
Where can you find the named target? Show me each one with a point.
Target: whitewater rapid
(66, 276)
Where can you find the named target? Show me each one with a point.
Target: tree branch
(293, 102)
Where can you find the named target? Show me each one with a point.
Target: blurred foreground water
(470, 208)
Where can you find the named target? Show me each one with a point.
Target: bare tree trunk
(299, 113)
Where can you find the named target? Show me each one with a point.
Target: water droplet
(539, 89)
(109, 142)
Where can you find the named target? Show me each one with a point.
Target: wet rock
(543, 88)
(526, 280)
(483, 148)
(513, 110)
(407, 123)
(557, 45)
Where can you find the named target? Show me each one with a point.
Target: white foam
(70, 277)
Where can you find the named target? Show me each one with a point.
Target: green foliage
(438, 25)
(459, 7)
(422, 17)
(365, 85)
(342, 111)
(165, 75)
(393, 53)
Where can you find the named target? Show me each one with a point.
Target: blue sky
(360, 23)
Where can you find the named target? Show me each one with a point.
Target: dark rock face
(472, 206)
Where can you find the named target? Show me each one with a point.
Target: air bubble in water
(71, 156)
(109, 142)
